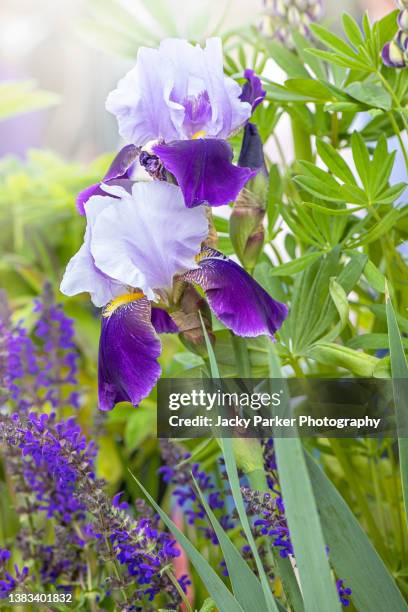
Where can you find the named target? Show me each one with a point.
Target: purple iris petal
(235, 297)
(251, 155)
(203, 170)
(162, 321)
(128, 351)
(252, 90)
(120, 168)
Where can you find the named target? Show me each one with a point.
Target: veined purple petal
(120, 168)
(203, 170)
(235, 297)
(252, 91)
(128, 352)
(251, 155)
(87, 193)
(162, 321)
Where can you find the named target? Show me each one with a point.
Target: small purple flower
(344, 593)
(40, 369)
(178, 94)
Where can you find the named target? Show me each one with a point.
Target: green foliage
(17, 97)
(335, 221)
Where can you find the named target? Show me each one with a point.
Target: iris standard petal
(203, 170)
(145, 238)
(120, 168)
(128, 352)
(239, 302)
(176, 90)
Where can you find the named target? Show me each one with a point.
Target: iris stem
(241, 356)
(301, 142)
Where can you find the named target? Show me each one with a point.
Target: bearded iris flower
(137, 245)
(178, 102)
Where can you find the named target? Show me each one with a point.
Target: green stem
(301, 142)
(394, 97)
(398, 134)
(335, 130)
(241, 356)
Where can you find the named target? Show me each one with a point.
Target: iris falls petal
(128, 352)
(203, 170)
(239, 302)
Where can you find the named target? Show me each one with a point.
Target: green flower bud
(187, 318)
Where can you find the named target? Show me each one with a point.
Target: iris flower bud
(188, 320)
(246, 221)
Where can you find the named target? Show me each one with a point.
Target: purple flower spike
(120, 168)
(128, 351)
(252, 90)
(203, 170)
(162, 322)
(393, 56)
(254, 314)
(402, 20)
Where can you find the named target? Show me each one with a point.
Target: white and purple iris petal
(81, 274)
(145, 238)
(128, 352)
(179, 93)
(119, 172)
(128, 242)
(239, 302)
